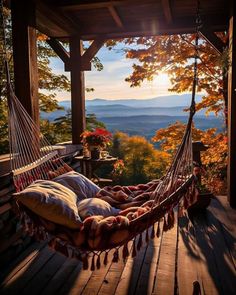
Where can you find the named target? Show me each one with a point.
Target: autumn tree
(49, 84)
(214, 159)
(142, 161)
(175, 55)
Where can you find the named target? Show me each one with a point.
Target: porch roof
(108, 19)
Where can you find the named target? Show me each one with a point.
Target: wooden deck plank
(44, 275)
(205, 253)
(97, 277)
(165, 275)
(130, 273)
(60, 277)
(209, 276)
(188, 257)
(76, 282)
(226, 225)
(27, 272)
(230, 212)
(147, 275)
(224, 262)
(112, 277)
(20, 262)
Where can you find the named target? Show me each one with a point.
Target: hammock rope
(33, 158)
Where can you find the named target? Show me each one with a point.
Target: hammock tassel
(165, 226)
(170, 219)
(180, 211)
(134, 253)
(105, 261)
(153, 232)
(93, 263)
(140, 242)
(52, 243)
(158, 230)
(85, 262)
(125, 251)
(98, 263)
(116, 256)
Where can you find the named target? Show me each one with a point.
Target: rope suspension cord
(184, 152)
(196, 56)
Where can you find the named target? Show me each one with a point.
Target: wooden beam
(151, 28)
(232, 109)
(115, 16)
(213, 40)
(59, 50)
(84, 5)
(77, 90)
(91, 52)
(167, 10)
(25, 56)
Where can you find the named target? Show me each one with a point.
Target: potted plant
(96, 140)
(203, 199)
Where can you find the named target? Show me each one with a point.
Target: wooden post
(232, 109)
(25, 56)
(77, 89)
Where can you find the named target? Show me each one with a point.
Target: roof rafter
(167, 10)
(115, 16)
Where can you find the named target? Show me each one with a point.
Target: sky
(110, 82)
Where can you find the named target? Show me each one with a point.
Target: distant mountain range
(161, 101)
(142, 117)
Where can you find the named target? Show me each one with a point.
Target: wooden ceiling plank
(115, 16)
(103, 4)
(57, 17)
(181, 26)
(167, 11)
(213, 40)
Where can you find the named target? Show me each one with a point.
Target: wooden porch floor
(202, 250)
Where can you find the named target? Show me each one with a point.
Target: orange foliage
(214, 158)
(174, 55)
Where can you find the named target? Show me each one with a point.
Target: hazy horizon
(110, 82)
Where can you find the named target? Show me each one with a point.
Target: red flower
(99, 137)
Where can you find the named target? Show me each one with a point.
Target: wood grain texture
(199, 249)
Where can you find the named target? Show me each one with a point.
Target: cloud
(109, 83)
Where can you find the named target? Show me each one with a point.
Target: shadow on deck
(198, 256)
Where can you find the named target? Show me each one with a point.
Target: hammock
(33, 158)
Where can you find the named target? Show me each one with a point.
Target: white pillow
(51, 201)
(95, 206)
(79, 184)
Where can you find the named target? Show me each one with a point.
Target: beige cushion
(51, 201)
(79, 184)
(95, 206)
